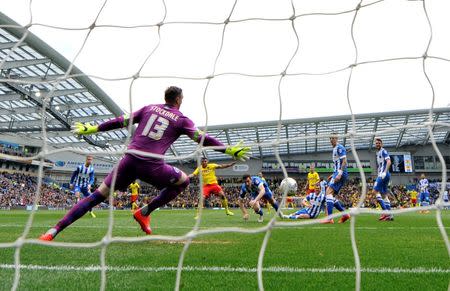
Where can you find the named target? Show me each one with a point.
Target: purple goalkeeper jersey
(159, 127)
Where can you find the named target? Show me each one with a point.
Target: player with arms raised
(159, 127)
(82, 180)
(337, 179)
(210, 184)
(380, 188)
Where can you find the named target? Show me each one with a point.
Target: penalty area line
(92, 268)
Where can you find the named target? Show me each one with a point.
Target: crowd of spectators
(17, 189)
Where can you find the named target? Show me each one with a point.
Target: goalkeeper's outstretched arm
(118, 122)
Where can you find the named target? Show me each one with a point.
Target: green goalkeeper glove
(84, 128)
(239, 152)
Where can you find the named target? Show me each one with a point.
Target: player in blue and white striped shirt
(424, 197)
(82, 180)
(337, 179)
(380, 188)
(313, 204)
(445, 198)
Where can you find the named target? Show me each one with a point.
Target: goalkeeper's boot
(49, 235)
(228, 212)
(344, 218)
(92, 214)
(260, 218)
(327, 221)
(46, 237)
(144, 221)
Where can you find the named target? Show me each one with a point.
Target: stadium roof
(311, 135)
(32, 72)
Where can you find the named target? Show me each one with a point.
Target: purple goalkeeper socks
(166, 195)
(79, 209)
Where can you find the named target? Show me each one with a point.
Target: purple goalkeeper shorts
(151, 171)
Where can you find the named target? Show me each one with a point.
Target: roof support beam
(62, 108)
(447, 138)
(228, 136)
(58, 116)
(175, 153)
(24, 63)
(306, 140)
(402, 132)
(435, 119)
(83, 144)
(375, 127)
(67, 122)
(287, 138)
(37, 79)
(10, 45)
(317, 133)
(57, 93)
(345, 132)
(258, 140)
(11, 97)
(34, 129)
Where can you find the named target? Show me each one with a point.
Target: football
(289, 185)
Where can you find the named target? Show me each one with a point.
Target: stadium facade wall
(256, 165)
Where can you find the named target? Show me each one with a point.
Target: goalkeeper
(159, 127)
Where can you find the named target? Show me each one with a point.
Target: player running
(159, 127)
(134, 188)
(82, 180)
(210, 184)
(258, 189)
(337, 179)
(380, 188)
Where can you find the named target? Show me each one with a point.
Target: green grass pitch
(406, 254)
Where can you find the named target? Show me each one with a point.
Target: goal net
(248, 61)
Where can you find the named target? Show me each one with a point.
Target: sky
(386, 30)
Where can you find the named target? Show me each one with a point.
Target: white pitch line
(92, 268)
(384, 226)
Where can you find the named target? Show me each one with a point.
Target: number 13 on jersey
(155, 127)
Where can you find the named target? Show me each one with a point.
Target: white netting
(223, 24)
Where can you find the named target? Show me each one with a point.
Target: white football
(289, 185)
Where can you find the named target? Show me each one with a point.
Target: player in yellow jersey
(210, 185)
(134, 188)
(312, 180)
(413, 195)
